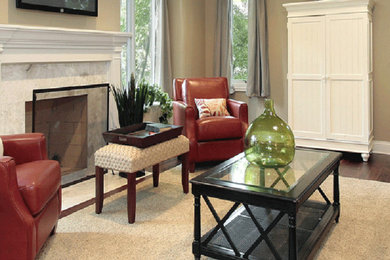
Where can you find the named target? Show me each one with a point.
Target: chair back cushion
(177, 83)
(204, 88)
(25, 147)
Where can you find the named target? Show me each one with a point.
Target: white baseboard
(382, 147)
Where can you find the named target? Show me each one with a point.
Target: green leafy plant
(155, 93)
(132, 102)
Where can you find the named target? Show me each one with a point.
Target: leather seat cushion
(38, 181)
(219, 127)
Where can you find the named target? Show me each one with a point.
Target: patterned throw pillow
(1, 147)
(211, 107)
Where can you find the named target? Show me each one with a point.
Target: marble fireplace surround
(45, 57)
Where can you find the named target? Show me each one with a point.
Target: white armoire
(330, 86)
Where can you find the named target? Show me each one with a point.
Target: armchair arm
(25, 147)
(239, 109)
(17, 221)
(185, 115)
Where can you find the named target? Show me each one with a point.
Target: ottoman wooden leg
(156, 173)
(184, 172)
(131, 198)
(99, 192)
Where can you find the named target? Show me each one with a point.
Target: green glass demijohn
(269, 141)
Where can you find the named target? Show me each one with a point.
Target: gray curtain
(258, 67)
(223, 43)
(162, 72)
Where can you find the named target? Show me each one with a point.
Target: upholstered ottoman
(130, 159)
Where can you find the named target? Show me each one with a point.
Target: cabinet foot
(365, 157)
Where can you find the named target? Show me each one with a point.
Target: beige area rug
(164, 224)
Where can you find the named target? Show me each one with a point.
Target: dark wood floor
(377, 168)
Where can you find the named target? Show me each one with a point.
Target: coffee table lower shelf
(314, 220)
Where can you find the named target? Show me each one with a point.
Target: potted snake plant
(130, 102)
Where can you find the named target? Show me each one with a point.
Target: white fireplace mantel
(45, 57)
(25, 44)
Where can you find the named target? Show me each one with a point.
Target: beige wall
(277, 40)
(277, 21)
(381, 41)
(107, 19)
(277, 48)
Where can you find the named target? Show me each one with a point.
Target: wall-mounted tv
(83, 7)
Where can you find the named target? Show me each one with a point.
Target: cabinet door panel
(307, 46)
(346, 69)
(306, 76)
(306, 117)
(345, 45)
(345, 118)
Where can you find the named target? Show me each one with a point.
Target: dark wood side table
(276, 220)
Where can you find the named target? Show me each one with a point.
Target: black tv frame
(23, 5)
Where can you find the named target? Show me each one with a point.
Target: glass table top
(272, 179)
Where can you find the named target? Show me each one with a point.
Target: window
(126, 25)
(137, 17)
(240, 44)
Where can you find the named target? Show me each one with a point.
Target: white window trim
(239, 85)
(130, 13)
(131, 45)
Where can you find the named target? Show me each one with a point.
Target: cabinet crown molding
(323, 7)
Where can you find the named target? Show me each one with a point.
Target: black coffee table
(272, 216)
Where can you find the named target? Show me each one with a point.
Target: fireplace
(35, 58)
(43, 57)
(73, 120)
(63, 121)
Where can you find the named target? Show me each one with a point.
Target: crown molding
(48, 44)
(324, 7)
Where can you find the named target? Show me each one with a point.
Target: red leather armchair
(30, 196)
(211, 138)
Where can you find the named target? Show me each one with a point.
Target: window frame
(130, 48)
(131, 44)
(239, 85)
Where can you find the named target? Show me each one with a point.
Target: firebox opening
(64, 122)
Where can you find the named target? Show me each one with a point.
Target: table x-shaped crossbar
(263, 233)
